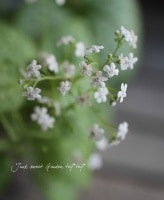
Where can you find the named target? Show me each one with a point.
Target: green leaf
(16, 51)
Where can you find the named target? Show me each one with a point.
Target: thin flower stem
(36, 81)
(108, 126)
(118, 46)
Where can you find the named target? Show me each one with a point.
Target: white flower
(85, 69)
(41, 116)
(68, 69)
(122, 130)
(122, 93)
(94, 49)
(32, 93)
(95, 162)
(64, 87)
(101, 95)
(98, 80)
(114, 143)
(131, 60)
(52, 63)
(32, 70)
(129, 36)
(111, 70)
(96, 133)
(80, 49)
(83, 100)
(124, 64)
(127, 62)
(126, 33)
(133, 40)
(30, 1)
(60, 2)
(65, 40)
(102, 144)
(49, 61)
(113, 103)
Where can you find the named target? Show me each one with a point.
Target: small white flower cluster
(32, 70)
(42, 117)
(99, 78)
(81, 85)
(49, 61)
(94, 49)
(68, 69)
(79, 46)
(97, 134)
(65, 40)
(32, 93)
(129, 36)
(111, 70)
(127, 62)
(30, 1)
(64, 87)
(60, 2)
(85, 69)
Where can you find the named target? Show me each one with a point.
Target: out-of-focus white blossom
(96, 133)
(52, 63)
(32, 93)
(68, 69)
(129, 36)
(98, 80)
(93, 49)
(111, 70)
(122, 130)
(49, 61)
(32, 70)
(41, 116)
(128, 61)
(114, 143)
(30, 1)
(101, 94)
(85, 69)
(113, 103)
(79, 49)
(95, 161)
(60, 2)
(122, 93)
(65, 40)
(102, 144)
(64, 87)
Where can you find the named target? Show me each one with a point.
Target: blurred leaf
(5, 164)
(16, 50)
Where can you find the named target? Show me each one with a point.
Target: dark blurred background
(135, 169)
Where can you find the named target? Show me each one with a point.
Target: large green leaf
(16, 51)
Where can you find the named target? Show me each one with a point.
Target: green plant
(70, 111)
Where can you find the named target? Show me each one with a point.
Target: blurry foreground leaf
(16, 51)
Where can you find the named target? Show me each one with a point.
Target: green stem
(106, 125)
(36, 81)
(118, 46)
